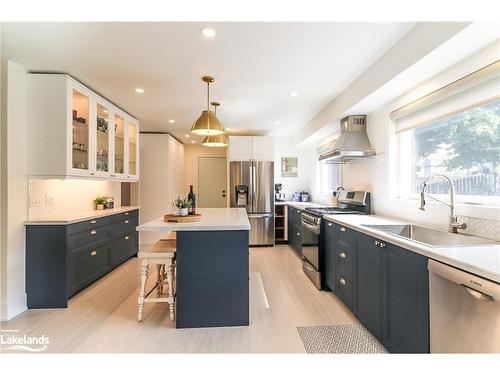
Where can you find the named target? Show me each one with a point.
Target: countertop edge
(408, 245)
(85, 216)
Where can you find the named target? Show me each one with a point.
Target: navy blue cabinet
(405, 301)
(367, 281)
(329, 229)
(61, 260)
(295, 229)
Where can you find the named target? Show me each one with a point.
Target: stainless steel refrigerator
(252, 187)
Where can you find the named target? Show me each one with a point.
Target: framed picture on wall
(289, 167)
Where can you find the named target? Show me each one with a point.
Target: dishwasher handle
(478, 287)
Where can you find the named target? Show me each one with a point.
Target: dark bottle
(192, 198)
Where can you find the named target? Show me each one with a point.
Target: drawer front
(123, 248)
(343, 289)
(125, 215)
(89, 237)
(87, 267)
(343, 256)
(124, 225)
(89, 224)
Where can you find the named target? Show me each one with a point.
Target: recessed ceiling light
(294, 94)
(105, 111)
(193, 141)
(277, 122)
(172, 121)
(186, 135)
(208, 32)
(139, 90)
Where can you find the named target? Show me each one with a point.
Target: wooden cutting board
(174, 218)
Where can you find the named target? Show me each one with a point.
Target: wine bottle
(192, 198)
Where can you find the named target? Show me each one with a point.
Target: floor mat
(339, 339)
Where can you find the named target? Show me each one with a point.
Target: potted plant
(100, 202)
(183, 205)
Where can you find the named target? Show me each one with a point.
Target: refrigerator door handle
(260, 216)
(254, 187)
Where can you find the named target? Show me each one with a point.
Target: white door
(212, 175)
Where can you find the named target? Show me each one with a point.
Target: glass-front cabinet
(74, 132)
(133, 136)
(80, 130)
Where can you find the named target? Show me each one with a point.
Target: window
(465, 146)
(329, 177)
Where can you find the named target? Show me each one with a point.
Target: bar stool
(162, 254)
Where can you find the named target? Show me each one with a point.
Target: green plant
(100, 200)
(183, 203)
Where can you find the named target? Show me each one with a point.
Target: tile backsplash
(67, 196)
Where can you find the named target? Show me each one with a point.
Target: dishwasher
(464, 311)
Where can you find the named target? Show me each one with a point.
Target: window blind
(479, 87)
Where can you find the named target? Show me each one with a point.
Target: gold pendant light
(218, 140)
(207, 123)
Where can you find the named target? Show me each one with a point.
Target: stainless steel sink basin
(431, 237)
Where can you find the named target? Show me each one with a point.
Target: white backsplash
(69, 196)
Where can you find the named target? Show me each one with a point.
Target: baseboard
(13, 307)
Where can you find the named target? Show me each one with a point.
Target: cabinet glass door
(102, 139)
(132, 149)
(119, 144)
(80, 130)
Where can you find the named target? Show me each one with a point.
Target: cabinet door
(330, 241)
(119, 135)
(79, 125)
(101, 160)
(263, 148)
(132, 155)
(367, 283)
(240, 148)
(405, 301)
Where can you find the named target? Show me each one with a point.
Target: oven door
(310, 243)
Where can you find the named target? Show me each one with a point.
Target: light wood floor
(102, 318)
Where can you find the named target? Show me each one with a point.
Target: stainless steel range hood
(352, 144)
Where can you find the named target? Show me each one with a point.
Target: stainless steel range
(350, 202)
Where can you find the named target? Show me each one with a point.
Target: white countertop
(80, 216)
(212, 219)
(480, 260)
(299, 205)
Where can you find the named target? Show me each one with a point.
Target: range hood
(352, 144)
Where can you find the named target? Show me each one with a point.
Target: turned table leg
(142, 291)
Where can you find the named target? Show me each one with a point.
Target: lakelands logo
(11, 340)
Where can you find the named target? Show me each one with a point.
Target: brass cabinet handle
(126, 221)
(127, 237)
(342, 281)
(342, 229)
(93, 253)
(92, 232)
(342, 255)
(93, 221)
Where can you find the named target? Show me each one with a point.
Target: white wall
(14, 189)
(306, 156)
(69, 196)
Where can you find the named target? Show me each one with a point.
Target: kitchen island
(212, 267)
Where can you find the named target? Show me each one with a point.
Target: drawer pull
(376, 243)
(93, 253)
(92, 232)
(298, 233)
(93, 221)
(330, 224)
(126, 214)
(342, 229)
(127, 237)
(382, 245)
(342, 281)
(342, 255)
(126, 221)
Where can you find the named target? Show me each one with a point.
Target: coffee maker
(279, 196)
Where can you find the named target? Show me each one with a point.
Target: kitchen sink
(431, 237)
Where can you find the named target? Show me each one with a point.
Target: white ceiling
(256, 66)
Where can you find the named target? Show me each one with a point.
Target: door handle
(223, 193)
(342, 255)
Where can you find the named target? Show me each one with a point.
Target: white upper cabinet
(243, 148)
(73, 132)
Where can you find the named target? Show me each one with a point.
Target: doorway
(212, 182)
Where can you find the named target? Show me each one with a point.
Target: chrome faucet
(453, 225)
